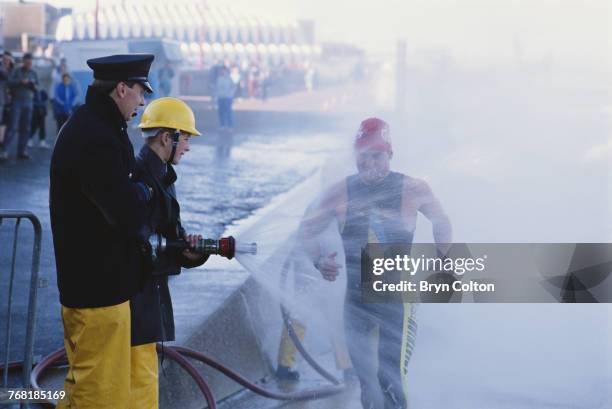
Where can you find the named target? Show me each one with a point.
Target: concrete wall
(231, 336)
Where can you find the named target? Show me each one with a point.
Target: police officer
(98, 224)
(167, 125)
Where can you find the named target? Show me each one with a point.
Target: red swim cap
(373, 133)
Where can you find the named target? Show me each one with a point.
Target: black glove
(147, 260)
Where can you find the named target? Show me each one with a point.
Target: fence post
(31, 319)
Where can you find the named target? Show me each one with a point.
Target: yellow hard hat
(169, 113)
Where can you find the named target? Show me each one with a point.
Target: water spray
(225, 246)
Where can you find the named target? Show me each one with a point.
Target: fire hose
(293, 336)
(225, 247)
(179, 355)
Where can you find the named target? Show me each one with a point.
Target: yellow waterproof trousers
(105, 372)
(97, 342)
(144, 393)
(287, 350)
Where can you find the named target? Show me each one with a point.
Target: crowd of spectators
(25, 103)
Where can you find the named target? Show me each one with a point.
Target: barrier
(28, 352)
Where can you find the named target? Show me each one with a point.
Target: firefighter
(98, 223)
(287, 354)
(167, 125)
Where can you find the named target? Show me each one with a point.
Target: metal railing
(18, 215)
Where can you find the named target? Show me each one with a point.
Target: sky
(468, 30)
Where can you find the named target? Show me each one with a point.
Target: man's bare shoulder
(416, 187)
(415, 184)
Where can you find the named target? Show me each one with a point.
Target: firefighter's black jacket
(97, 211)
(152, 316)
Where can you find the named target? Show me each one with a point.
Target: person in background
(252, 80)
(225, 91)
(23, 84)
(56, 76)
(39, 116)
(66, 100)
(309, 75)
(165, 76)
(264, 81)
(6, 69)
(236, 76)
(213, 76)
(287, 351)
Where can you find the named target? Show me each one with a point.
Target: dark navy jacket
(97, 211)
(152, 315)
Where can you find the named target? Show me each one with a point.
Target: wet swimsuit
(383, 331)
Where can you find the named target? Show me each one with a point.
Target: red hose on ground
(291, 331)
(45, 363)
(11, 365)
(178, 354)
(60, 354)
(191, 370)
(302, 395)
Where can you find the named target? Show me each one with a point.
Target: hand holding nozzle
(192, 241)
(225, 246)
